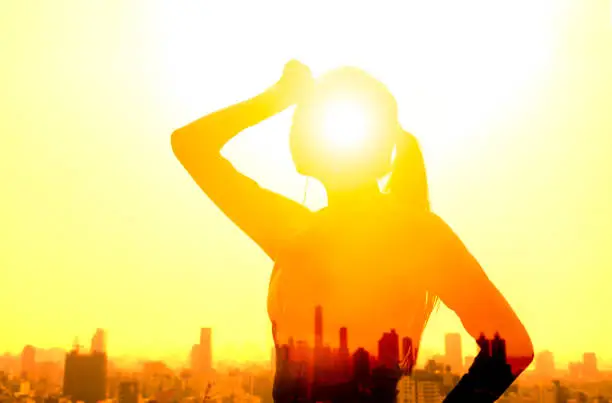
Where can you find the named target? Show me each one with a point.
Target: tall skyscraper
(575, 369)
(98, 342)
(545, 364)
(28, 361)
(453, 355)
(589, 365)
(388, 349)
(343, 339)
(194, 358)
(318, 327)
(206, 349)
(85, 377)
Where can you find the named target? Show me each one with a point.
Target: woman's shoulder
(409, 219)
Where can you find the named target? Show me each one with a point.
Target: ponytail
(408, 180)
(408, 183)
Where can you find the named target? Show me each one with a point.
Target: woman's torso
(347, 285)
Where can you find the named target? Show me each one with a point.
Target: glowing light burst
(345, 123)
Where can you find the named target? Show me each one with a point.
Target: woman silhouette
(358, 279)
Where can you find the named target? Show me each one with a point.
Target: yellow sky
(101, 227)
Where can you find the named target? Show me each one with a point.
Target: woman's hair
(408, 180)
(408, 184)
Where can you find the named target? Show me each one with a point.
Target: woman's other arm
(266, 217)
(461, 283)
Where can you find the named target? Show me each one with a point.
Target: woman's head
(344, 133)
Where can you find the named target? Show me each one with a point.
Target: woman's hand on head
(294, 85)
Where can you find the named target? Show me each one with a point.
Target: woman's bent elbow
(177, 142)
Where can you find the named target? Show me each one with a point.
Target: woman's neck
(346, 198)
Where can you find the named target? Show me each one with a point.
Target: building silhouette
(205, 352)
(98, 342)
(574, 369)
(28, 361)
(128, 392)
(319, 372)
(545, 364)
(453, 355)
(194, 358)
(85, 376)
(420, 387)
(589, 366)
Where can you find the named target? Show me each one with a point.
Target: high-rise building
(452, 352)
(574, 369)
(28, 361)
(194, 358)
(85, 377)
(128, 392)
(545, 364)
(589, 365)
(98, 342)
(318, 327)
(388, 349)
(205, 349)
(343, 339)
(407, 392)
(428, 387)
(361, 366)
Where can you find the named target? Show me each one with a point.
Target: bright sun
(345, 123)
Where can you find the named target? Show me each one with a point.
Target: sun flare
(345, 123)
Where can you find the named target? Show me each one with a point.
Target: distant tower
(318, 327)
(589, 365)
(575, 369)
(452, 352)
(361, 366)
(98, 342)
(388, 349)
(195, 358)
(545, 364)
(206, 349)
(344, 356)
(28, 361)
(343, 339)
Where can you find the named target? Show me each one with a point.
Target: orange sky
(101, 226)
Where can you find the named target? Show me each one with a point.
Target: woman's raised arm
(266, 217)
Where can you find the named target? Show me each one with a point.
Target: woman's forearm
(211, 132)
